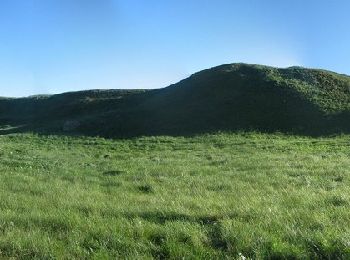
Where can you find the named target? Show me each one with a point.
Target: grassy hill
(231, 97)
(244, 195)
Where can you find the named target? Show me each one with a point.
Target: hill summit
(232, 97)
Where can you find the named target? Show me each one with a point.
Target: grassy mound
(225, 98)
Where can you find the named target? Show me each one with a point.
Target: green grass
(211, 196)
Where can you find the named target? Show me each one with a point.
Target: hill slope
(229, 97)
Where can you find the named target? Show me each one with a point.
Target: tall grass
(211, 196)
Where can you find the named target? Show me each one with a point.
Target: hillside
(233, 97)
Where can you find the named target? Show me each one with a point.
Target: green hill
(233, 97)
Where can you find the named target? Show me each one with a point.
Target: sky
(55, 46)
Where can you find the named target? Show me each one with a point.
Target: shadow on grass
(163, 217)
(216, 239)
(212, 225)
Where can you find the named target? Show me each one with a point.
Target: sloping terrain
(234, 97)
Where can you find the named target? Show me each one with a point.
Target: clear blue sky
(52, 46)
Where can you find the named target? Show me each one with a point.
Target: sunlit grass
(212, 196)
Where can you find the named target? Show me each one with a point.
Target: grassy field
(213, 196)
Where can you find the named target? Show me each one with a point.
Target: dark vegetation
(235, 97)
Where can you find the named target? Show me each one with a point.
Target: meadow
(218, 196)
